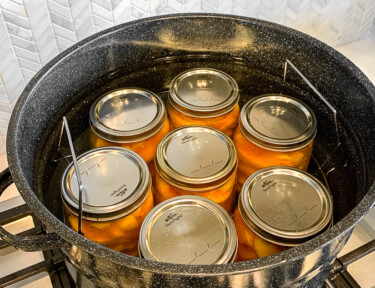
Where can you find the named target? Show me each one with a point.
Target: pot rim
(343, 227)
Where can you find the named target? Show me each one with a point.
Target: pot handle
(27, 243)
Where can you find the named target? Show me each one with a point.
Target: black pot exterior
(310, 270)
(133, 46)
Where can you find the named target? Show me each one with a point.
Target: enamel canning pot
(149, 53)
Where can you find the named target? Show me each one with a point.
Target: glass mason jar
(116, 199)
(188, 230)
(196, 160)
(273, 130)
(204, 97)
(280, 207)
(132, 118)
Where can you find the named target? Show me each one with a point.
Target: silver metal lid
(127, 115)
(203, 93)
(196, 157)
(116, 181)
(278, 121)
(285, 205)
(188, 230)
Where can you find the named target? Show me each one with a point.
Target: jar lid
(188, 230)
(127, 115)
(116, 181)
(203, 93)
(285, 205)
(199, 157)
(278, 121)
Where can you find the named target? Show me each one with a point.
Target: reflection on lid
(197, 154)
(204, 92)
(206, 89)
(124, 115)
(277, 121)
(128, 112)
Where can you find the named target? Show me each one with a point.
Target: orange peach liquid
(145, 148)
(251, 157)
(226, 123)
(120, 234)
(250, 245)
(223, 195)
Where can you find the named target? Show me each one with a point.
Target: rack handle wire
(76, 170)
(328, 104)
(307, 81)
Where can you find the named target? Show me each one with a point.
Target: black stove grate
(60, 276)
(53, 262)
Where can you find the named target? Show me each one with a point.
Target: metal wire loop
(327, 103)
(76, 168)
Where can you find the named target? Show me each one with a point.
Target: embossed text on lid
(196, 155)
(285, 205)
(204, 92)
(278, 121)
(127, 114)
(188, 230)
(114, 179)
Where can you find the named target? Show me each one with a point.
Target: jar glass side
(120, 234)
(145, 148)
(252, 157)
(225, 123)
(250, 245)
(223, 195)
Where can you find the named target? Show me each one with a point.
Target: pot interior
(346, 181)
(149, 54)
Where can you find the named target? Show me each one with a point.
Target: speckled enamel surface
(140, 45)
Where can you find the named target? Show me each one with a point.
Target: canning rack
(287, 64)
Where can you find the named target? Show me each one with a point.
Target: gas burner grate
(340, 277)
(53, 264)
(60, 276)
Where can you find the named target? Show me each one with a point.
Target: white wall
(32, 32)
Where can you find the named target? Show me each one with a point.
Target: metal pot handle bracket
(27, 243)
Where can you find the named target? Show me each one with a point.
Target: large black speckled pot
(148, 53)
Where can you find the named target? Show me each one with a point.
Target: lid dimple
(127, 112)
(197, 154)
